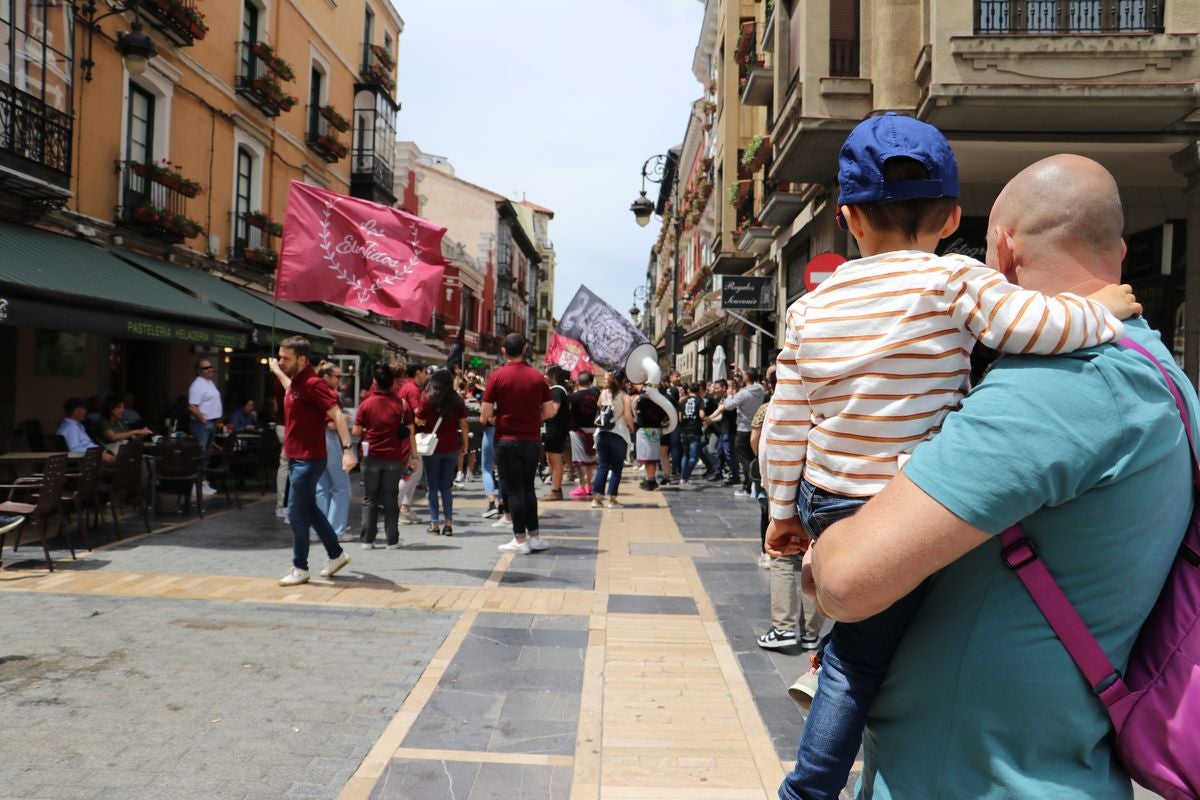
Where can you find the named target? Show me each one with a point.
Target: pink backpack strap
(1021, 556)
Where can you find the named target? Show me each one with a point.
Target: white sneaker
(368, 546)
(536, 542)
(740, 493)
(294, 578)
(397, 546)
(764, 561)
(281, 513)
(491, 513)
(335, 565)
(347, 536)
(502, 523)
(597, 501)
(458, 477)
(207, 490)
(520, 548)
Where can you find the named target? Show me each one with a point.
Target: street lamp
(634, 313)
(653, 170)
(135, 47)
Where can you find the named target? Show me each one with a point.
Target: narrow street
(621, 663)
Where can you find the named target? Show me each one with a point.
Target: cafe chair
(180, 466)
(47, 499)
(255, 458)
(126, 485)
(218, 468)
(86, 496)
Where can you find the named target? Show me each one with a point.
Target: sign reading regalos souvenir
(747, 293)
(357, 253)
(820, 268)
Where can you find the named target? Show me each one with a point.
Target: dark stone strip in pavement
(650, 604)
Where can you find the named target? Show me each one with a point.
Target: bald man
(1086, 451)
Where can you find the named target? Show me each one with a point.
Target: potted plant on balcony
(383, 77)
(260, 255)
(335, 120)
(384, 57)
(164, 173)
(755, 154)
(334, 149)
(274, 63)
(262, 221)
(192, 18)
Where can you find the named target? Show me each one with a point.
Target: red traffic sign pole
(821, 267)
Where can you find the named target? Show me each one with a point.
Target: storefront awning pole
(740, 318)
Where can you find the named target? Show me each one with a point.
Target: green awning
(60, 283)
(345, 336)
(231, 299)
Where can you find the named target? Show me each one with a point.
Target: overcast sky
(559, 101)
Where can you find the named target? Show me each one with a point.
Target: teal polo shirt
(981, 699)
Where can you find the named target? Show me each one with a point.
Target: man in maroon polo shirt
(516, 400)
(309, 402)
(410, 392)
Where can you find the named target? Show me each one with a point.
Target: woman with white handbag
(441, 436)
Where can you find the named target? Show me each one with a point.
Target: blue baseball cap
(873, 141)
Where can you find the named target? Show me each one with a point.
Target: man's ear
(1006, 256)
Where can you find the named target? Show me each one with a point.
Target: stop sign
(819, 268)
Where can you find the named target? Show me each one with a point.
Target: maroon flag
(568, 354)
(361, 254)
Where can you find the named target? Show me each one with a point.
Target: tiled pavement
(619, 664)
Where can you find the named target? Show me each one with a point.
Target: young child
(873, 361)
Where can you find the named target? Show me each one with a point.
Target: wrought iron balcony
(154, 200)
(260, 79)
(254, 245)
(371, 177)
(1052, 17)
(181, 21)
(35, 146)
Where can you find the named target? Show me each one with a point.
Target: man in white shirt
(204, 403)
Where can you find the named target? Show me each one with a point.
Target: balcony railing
(254, 241)
(181, 21)
(260, 80)
(1052, 17)
(843, 58)
(155, 203)
(35, 139)
(377, 68)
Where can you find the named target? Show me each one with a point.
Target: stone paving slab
(167, 698)
(407, 779)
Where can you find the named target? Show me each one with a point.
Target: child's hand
(1118, 299)
(786, 537)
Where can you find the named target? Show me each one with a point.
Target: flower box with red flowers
(166, 174)
(335, 120)
(260, 255)
(257, 219)
(384, 57)
(330, 148)
(272, 61)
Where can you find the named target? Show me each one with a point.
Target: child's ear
(952, 222)
(852, 221)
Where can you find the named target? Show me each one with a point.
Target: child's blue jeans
(854, 660)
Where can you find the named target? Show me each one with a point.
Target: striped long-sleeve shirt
(875, 358)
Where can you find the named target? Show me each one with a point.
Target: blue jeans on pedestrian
(610, 461)
(726, 456)
(690, 443)
(854, 661)
(439, 484)
(204, 432)
(333, 490)
(303, 512)
(487, 458)
(674, 443)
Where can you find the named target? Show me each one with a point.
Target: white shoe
(335, 565)
(536, 542)
(764, 561)
(397, 546)
(502, 523)
(740, 493)
(597, 501)
(281, 513)
(207, 490)
(520, 548)
(294, 578)
(368, 546)
(458, 478)
(347, 536)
